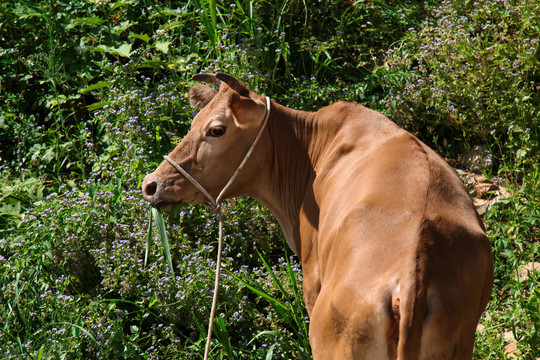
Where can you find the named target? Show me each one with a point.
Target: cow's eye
(216, 131)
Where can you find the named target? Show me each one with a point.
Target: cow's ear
(200, 95)
(246, 110)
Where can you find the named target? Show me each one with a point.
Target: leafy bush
(472, 69)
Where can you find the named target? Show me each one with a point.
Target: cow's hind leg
(344, 325)
(448, 331)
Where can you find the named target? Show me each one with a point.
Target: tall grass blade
(41, 352)
(83, 330)
(300, 306)
(16, 304)
(262, 333)
(160, 224)
(292, 314)
(3, 331)
(209, 22)
(19, 342)
(53, 324)
(295, 308)
(276, 303)
(203, 333)
(222, 334)
(212, 5)
(148, 238)
(274, 277)
(270, 352)
(282, 310)
(150, 312)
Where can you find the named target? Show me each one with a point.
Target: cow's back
(396, 221)
(379, 179)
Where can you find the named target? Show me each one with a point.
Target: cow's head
(220, 136)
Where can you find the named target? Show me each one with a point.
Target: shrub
(473, 69)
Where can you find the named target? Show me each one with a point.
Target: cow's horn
(207, 78)
(233, 83)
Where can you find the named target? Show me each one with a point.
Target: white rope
(216, 207)
(216, 288)
(190, 178)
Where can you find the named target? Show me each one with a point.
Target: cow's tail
(413, 305)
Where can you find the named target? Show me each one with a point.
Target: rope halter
(215, 203)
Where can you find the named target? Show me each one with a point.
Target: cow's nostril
(150, 188)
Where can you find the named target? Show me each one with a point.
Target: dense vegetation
(93, 94)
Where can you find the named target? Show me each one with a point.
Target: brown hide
(395, 260)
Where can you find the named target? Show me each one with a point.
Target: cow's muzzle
(152, 189)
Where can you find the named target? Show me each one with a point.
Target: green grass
(94, 93)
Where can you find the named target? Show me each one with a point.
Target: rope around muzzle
(215, 205)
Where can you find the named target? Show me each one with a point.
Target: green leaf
(95, 86)
(120, 28)
(94, 20)
(6, 190)
(13, 211)
(174, 12)
(24, 12)
(170, 25)
(60, 99)
(98, 105)
(222, 334)
(142, 37)
(121, 3)
(153, 300)
(154, 64)
(163, 46)
(282, 309)
(274, 277)
(124, 50)
(78, 327)
(158, 218)
(48, 155)
(270, 352)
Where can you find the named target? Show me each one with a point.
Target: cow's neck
(297, 139)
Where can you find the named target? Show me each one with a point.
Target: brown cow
(395, 259)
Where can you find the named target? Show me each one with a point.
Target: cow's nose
(150, 187)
